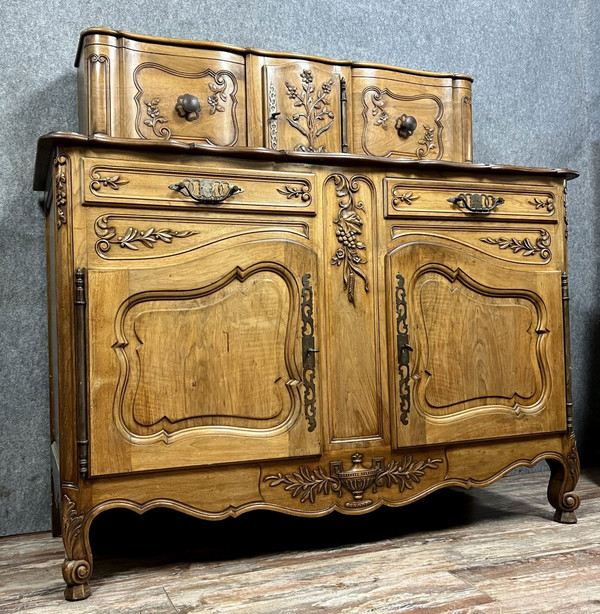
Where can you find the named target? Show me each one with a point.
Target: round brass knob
(405, 125)
(188, 107)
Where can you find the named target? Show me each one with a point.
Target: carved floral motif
(348, 227)
(60, 164)
(426, 143)
(313, 112)
(548, 204)
(156, 120)
(308, 482)
(405, 198)
(303, 192)
(524, 246)
(114, 181)
(132, 236)
(218, 94)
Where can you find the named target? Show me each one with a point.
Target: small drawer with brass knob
(401, 113)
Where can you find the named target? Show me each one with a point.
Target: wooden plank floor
(480, 551)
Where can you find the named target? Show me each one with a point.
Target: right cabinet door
(475, 338)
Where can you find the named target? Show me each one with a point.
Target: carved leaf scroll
(132, 237)
(525, 247)
(348, 228)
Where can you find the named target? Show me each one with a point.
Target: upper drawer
(134, 89)
(174, 186)
(428, 198)
(398, 114)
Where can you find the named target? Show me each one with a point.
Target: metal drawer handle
(476, 203)
(206, 191)
(406, 125)
(188, 107)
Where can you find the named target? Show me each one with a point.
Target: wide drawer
(397, 114)
(134, 89)
(142, 184)
(445, 199)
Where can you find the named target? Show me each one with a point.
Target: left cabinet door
(205, 359)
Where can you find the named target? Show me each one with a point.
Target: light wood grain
(246, 355)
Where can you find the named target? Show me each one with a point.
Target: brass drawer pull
(188, 107)
(406, 125)
(476, 203)
(206, 191)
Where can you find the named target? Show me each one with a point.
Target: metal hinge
(81, 409)
(564, 278)
(344, 115)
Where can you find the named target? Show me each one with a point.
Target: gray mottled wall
(536, 102)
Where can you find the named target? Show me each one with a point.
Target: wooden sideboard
(151, 88)
(239, 329)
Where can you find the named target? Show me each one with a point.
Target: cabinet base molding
(306, 489)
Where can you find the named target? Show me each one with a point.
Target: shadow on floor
(122, 539)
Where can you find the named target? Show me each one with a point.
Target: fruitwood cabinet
(151, 88)
(240, 329)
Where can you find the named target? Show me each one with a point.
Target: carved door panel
(207, 361)
(303, 108)
(399, 115)
(477, 344)
(187, 98)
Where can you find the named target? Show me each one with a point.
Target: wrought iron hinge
(403, 349)
(567, 346)
(308, 353)
(81, 408)
(344, 114)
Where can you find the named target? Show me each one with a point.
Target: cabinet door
(208, 360)
(477, 342)
(397, 114)
(302, 107)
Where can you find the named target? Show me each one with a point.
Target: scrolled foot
(76, 575)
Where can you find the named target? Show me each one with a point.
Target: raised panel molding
(141, 417)
(517, 314)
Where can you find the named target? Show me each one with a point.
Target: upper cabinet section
(142, 87)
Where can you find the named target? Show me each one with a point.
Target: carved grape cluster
(347, 237)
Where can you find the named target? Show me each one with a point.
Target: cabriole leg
(563, 479)
(77, 566)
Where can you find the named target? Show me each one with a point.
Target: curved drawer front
(468, 200)
(400, 115)
(200, 188)
(163, 92)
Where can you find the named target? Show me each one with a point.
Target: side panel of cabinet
(205, 358)
(477, 343)
(297, 105)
